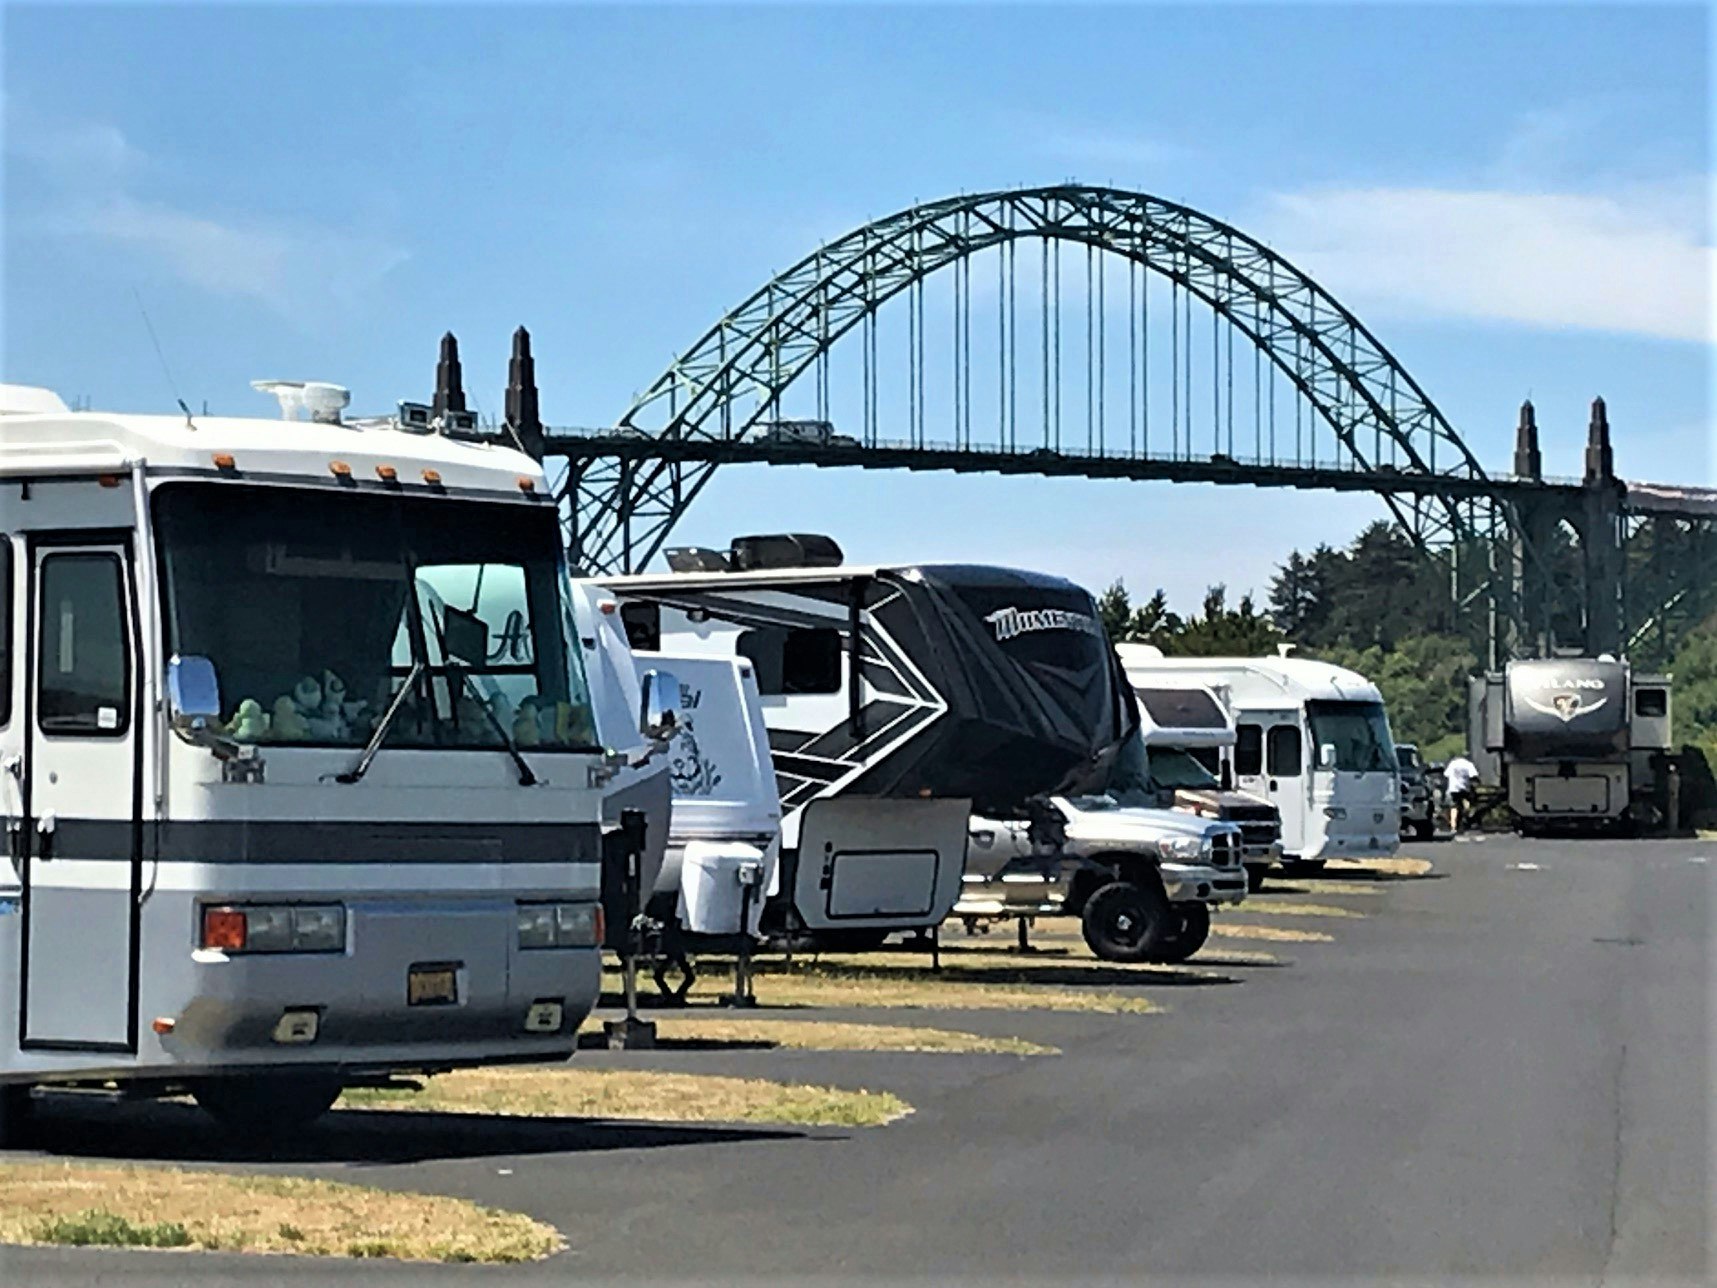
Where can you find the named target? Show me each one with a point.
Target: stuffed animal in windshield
(249, 722)
(527, 731)
(287, 725)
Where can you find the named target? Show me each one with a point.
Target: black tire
(1304, 865)
(1424, 829)
(1191, 929)
(1255, 878)
(1124, 922)
(17, 1115)
(268, 1104)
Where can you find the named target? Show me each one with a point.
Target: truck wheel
(1124, 922)
(1191, 929)
(268, 1104)
(1424, 829)
(1255, 878)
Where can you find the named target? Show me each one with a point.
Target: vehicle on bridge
(298, 760)
(1311, 738)
(1574, 742)
(893, 697)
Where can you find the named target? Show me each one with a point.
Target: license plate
(432, 986)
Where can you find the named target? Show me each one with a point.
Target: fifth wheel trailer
(1574, 741)
(894, 698)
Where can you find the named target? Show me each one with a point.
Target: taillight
(224, 928)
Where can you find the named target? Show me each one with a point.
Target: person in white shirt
(1460, 774)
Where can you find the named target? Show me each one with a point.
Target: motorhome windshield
(316, 607)
(1359, 732)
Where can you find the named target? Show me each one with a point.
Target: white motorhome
(299, 768)
(893, 697)
(1311, 738)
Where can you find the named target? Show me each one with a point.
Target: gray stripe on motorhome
(225, 841)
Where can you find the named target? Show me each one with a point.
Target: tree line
(1379, 607)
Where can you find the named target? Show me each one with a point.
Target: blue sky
(1516, 200)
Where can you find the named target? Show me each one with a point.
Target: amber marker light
(163, 1024)
(224, 461)
(432, 477)
(387, 473)
(527, 484)
(223, 928)
(108, 480)
(339, 469)
(608, 607)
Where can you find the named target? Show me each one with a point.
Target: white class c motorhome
(1311, 738)
(892, 696)
(298, 764)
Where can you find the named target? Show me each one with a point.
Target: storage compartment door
(869, 862)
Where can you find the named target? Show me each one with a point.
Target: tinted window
(1651, 702)
(643, 623)
(1181, 708)
(1248, 750)
(5, 628)
(798, 660)
(1284, 751)
(85, 666)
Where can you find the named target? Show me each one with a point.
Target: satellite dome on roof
(323, 401)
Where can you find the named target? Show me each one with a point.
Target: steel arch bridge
(1361, 422)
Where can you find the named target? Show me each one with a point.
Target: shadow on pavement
(68, 1125)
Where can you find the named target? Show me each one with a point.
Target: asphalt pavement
(1498, 1071)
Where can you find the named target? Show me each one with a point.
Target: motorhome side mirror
(1326, 755)
(659, 709)
(193, 694)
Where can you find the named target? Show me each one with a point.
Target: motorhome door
(81, 855)
(1269, 761)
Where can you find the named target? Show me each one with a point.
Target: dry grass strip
(97, 1204)
(1315, 885)
(1272, 909)
(1400, 866)
(1226, 929)
(820, 1035)
(643, 1095)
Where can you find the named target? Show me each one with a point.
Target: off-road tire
(1126, 922)
(1191, 929)
(268, 1104)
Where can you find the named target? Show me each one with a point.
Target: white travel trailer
(725, 831)
(1310, 738)
(893, 698)
(299, 770)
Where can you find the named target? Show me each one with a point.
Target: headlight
(1181, 848)
(274, 928)
(560, 925)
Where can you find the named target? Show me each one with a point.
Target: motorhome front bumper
(417, 980)
(1196, 883)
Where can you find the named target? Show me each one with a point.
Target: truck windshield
(1359, 732)
(315, 607)
(1171, 767)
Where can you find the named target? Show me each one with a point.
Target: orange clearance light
(223, 928)
(609, 607)
(163, 1024)
(601, 926)
(339, 469)
(224, 461)
(108, 480)
(386, 473)
(527, 484)
(432, 477)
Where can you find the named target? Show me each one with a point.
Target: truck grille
(1225, 851)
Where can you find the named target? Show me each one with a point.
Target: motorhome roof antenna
(167, 371)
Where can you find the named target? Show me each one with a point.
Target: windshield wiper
(362, 766)
(526, 777)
